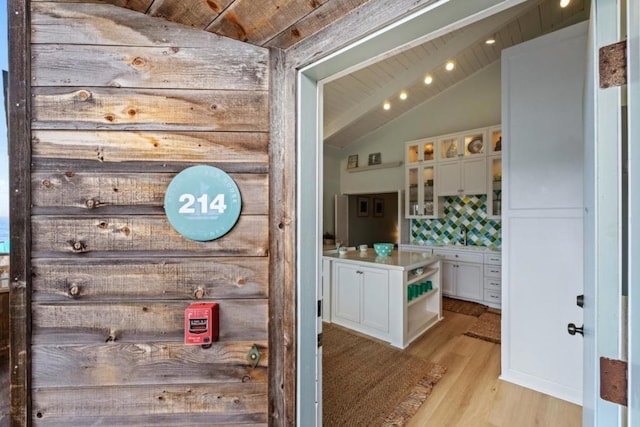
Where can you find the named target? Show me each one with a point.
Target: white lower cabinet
(493, 279)
(380, 301)
(361, 298)
(462, 279)
(471, 275)
(448, 278)
(469, 280)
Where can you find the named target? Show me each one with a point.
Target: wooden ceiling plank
(137, 5)
(319, 18)
(192, 13)
(470, 36)
(530, 24)
(242, 20)
(514, 31)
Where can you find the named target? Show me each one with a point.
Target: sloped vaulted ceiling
(353, 103)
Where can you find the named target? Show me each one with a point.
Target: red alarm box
(201, 323)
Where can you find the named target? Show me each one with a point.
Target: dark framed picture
(353, 161)
(375, 159)
(378, 207)
(363, 206)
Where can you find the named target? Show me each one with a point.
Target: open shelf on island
(414, 279)
(421, 297)
(419, 322)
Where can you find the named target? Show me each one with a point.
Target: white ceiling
(353, 103)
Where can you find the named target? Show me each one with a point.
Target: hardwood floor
(470, 394)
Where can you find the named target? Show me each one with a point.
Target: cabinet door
(469, 281)
(346, 295)
(448, 278)
(474, 176)
(413, 195)
(448, 179)
(375, 299)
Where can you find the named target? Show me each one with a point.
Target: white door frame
(434, 20)
(633, 110)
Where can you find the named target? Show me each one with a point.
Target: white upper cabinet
(447, 165)
(420, 151)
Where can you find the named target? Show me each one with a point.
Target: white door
(543, 83)
(633, 111)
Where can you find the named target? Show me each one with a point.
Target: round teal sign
(202, 203)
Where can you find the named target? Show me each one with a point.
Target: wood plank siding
(121, 102)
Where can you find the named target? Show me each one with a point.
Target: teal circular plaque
(202, 203)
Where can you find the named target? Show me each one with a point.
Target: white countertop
(452, 247)
(398, 260)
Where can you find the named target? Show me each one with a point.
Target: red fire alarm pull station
(201, 323)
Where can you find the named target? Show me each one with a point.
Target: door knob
(573, 329)
(580, 300)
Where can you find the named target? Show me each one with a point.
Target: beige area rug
(487, 327)
(463, 307)
(368, 383)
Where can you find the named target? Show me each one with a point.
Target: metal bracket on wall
(613, 65)
(613, 380)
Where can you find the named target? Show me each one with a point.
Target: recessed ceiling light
(490, 40)
(428, 80)
(450, 66)
(564, 3)
(403, 95)
(386, 105)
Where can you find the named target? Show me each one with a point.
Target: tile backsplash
(469, 212)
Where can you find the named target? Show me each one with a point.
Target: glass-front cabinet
(449, 148)
(420, 151)
(494, 165)
(455, 164)
(474, 144)
(466, 145)
(420, 201)
(495, 139)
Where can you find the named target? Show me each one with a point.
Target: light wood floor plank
(471, 395)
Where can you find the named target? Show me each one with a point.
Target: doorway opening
(312, 82)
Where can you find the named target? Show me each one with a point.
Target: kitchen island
(394, 298)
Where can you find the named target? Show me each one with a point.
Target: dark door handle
(573, 329)
(580, 301)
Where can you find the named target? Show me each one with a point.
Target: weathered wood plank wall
(4, 359)
(121, 102)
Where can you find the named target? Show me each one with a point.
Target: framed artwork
(363, 206)
(375, 159)
(378, 207)
(353, 161)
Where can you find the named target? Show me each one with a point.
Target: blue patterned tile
(468, 212)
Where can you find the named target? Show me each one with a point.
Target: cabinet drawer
(492, 296)
(459, 256)
(492, 284)
(493, 271)
(493, 259)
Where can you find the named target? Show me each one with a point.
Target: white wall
(472, 103)
(331, 173)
